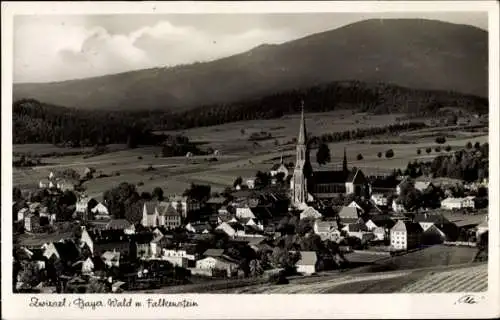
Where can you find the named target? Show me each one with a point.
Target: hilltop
(415, 53)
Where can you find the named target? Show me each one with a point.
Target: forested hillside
(37, 122)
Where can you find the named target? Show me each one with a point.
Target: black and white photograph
(249, 153)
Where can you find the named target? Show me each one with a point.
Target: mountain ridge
(431, 58)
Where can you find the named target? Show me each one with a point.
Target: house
(327, 229)
(87, 266)
(150, 214)
(244, 212)
(397, 206)
(178, 257)
(279, 168)
(214, 253)
(250, 183)
(403, 182)
(358, 230)
(433, 235)
(31, 223)
(482, 228)
(370, 225)
(86, 239)
(354, 204)
(379, 199)
(458, 203)
(449, 230)
(100, 210)
(66, 184)
(423, 185)
(217, 264)
(406, 235)
(307, 263)
(168, 216)
(227, 229)
(202, 228)
(21, 214)
(310, 213)
(216, 203)
(379, 233)
(81, 205)
(183, 204)
(349, 213)
(111, 258)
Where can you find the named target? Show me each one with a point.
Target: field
(240, 157)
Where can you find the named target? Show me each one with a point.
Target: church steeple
(303, 169)
(344, 162)
(302, 132)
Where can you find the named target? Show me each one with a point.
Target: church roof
(323, 177)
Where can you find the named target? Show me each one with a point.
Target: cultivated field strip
(473, 279)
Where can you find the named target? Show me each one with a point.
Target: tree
(477, 145)
(29, 275)
(428, 150)
(158, 193)
(198, 192)
(379, 154)
(262, 179)
(323, 154)
(410, 197)
(437, 149)
(419, 151)
(255, 268)
(359, 157)
(280, 177)
(237, 182)
(448, 148)
(389, 153)
(469, 145)
(146, 196)
(440, 140)
(96, 286)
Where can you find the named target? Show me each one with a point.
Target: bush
(379, 154)
(428, 150)
(419, 151)
(389, 153)
(359, 157)
(139, 158)
(437, 149)
(448, 148)
(469, 145)
(140, 183)
(440, 140)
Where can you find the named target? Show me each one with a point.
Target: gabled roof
(217, 200)
(67, 250)
(325, 177)
(213, 253)
(167, 210)
(356, 176)
(348, 212)
(307, 258)
(111, 255)
(408, 226)
(422, 185)
(433, 218)
(387, 183)
(356, 227)
(326, 226)
(150, 206)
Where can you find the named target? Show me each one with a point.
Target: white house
(397, 207)
(458, 203)
(379, 199)
(21, 214)
(379, 233)
(111, 258)
(226, 228)
(244, 212)
(422, 185)
(307, 263)
(406, 235)
(354, 204)
(100, 209)
(310, 213)
(81, 205)
(87, 266)
(327, 229)
(86, 239)
(370, 225)
(250, 183)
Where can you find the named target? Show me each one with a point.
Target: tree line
(37, 122)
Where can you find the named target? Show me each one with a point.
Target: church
(307, 185)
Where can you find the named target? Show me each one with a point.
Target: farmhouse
(307, 263)
(327, 229)
(458, 203)
(279, 168)
(406, 235)
(379, 199)
(310, 213)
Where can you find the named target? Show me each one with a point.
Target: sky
(50, 48)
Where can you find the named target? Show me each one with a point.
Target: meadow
(240, 157)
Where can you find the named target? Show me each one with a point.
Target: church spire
(302, 132)
(344, 162)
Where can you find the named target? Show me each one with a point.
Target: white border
(258, 306)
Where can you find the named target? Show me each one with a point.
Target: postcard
(250, 160)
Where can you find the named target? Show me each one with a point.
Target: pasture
(241, 157)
